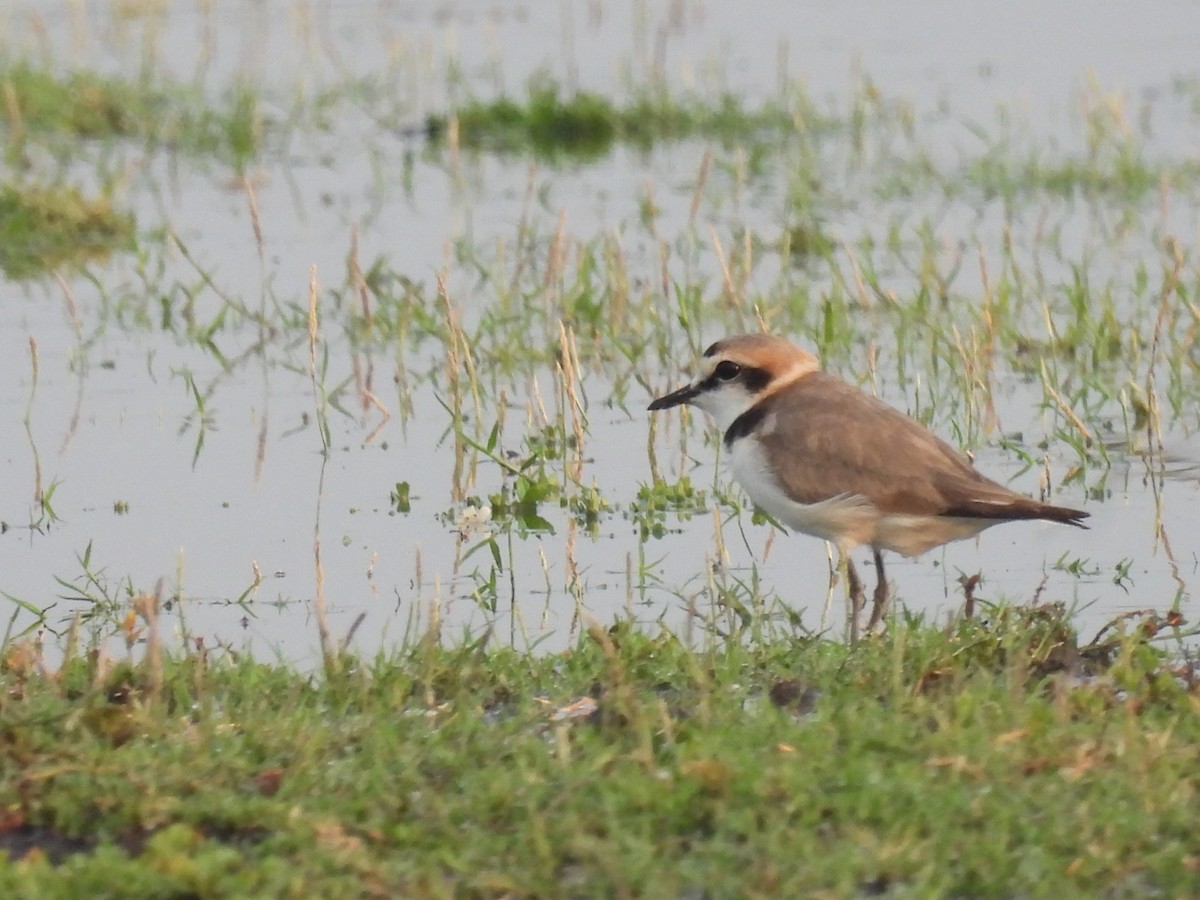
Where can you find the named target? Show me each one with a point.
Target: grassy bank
(998, 757)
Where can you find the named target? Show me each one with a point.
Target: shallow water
(113, 419)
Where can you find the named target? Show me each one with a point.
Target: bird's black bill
(683, 395)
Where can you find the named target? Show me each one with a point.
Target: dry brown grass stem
(651, 450)
(329, 648)
(1065, 407)
(1154, 429)
(975, 380)
(860, 285)
(433, 632)
(455, 147)
(664, 272)
(574, 584)
(985, 370)
(731, 298)
(538, 405)
(747, 265)
(1045, 481)
(255, 221)
(618, 282)
(418, 570)
(364, 373)
(458, 359)
(458, 490)
(1170, 285)
(358, 281)
(720, 550)
(146, 606)
(33, 385)
(314, 338)
(523, 243)
(569, 367)
(73, 313)
(100, 665)
(698, 190)
(72, 307)
(12, 114)
(260, 450)
(556, 261)
(368, 400)
(71, 644)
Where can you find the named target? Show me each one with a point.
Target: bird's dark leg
(857, 596)
(879, 610)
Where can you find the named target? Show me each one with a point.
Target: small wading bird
(825, 458)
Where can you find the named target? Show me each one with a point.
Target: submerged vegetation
(50, 121)
(42, 106)
(585, 125)
(45, 227)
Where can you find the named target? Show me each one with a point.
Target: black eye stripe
(753, 378)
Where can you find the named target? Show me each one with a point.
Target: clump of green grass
(654, 502)
(959, 761)
(587, 125)
(1126, 176)
(45, 227)
(37, 103)
(84, 105)
(584, 125)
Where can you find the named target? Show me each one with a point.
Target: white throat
(725, 404)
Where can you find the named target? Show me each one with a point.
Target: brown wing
(851, 443)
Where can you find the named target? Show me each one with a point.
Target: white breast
(847, 519)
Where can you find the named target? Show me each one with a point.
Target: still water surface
(115, 422)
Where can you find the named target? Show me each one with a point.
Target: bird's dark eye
(727, 371)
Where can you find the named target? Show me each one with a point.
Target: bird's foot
(857, 598)
(881, 596)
